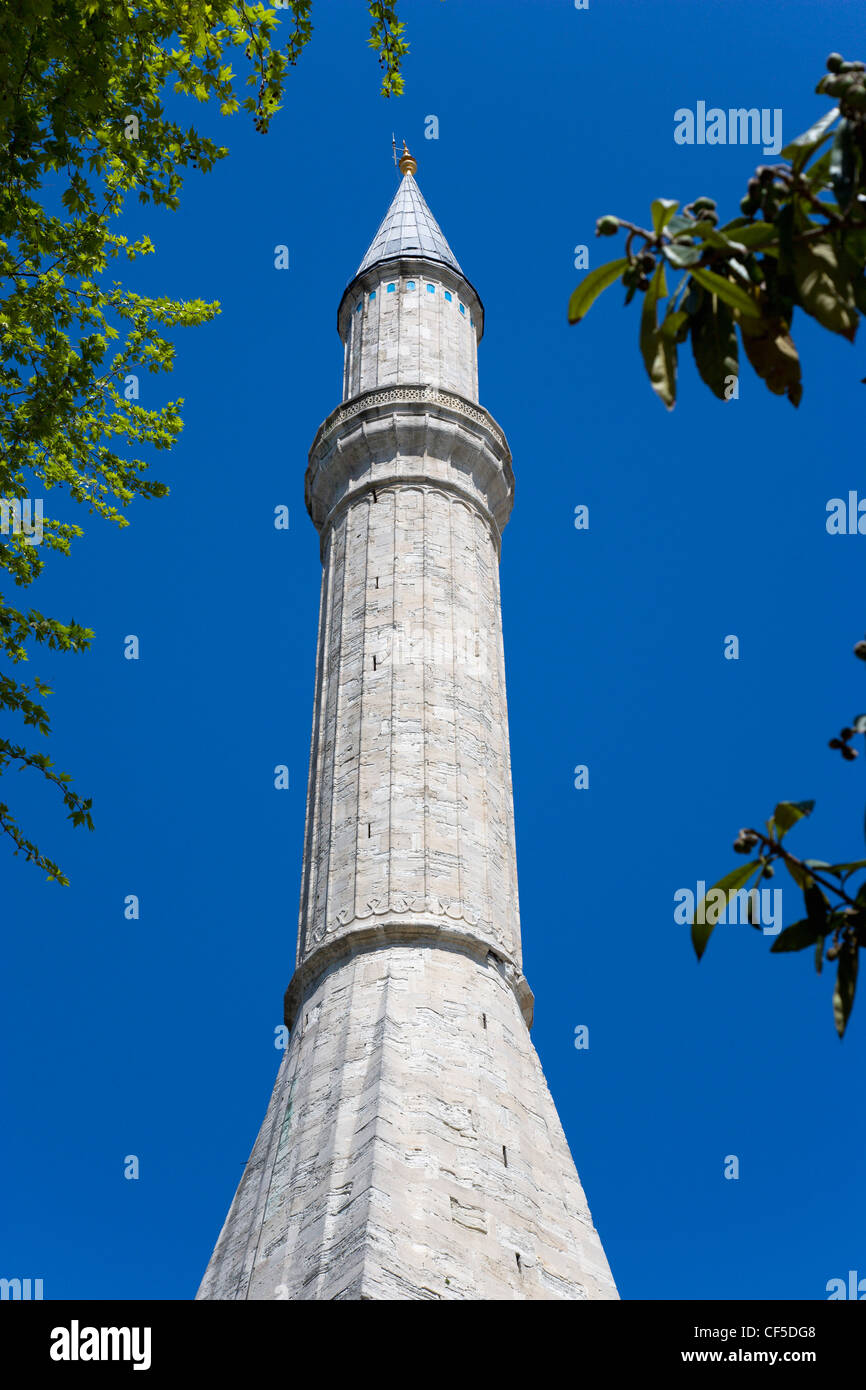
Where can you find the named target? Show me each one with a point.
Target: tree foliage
(834, 924)
(792, 247)
(83, 125)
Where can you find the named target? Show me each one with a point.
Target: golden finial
(407, 163)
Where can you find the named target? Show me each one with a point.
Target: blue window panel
(391, 289)
(372, 294)
(410, 284)
(448, 295)
(463, 308)
(431, 289)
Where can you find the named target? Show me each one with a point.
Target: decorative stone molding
(406, 933)
(416, 911)
(400, 395)
(401, 903)
(408, 436)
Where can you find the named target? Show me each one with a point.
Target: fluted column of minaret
(410, 791)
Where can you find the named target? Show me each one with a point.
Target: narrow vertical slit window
(504, 1156)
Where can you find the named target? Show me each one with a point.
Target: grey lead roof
(409, 228)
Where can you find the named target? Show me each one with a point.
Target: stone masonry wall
(410, 800)
(411, 1150)
(410, 333)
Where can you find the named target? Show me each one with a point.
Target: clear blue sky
(155, 1037)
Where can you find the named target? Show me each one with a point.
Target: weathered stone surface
(411, 1149)
(411, 334)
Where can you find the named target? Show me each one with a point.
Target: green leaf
(714, 345)
(592, 286)
(843, 164)
(657, 348)
(774, 357)
(858, 723)
(817, 864)
(756, 235)
(673, 322)
(801, 879)
(787, 813)
(678, 253)
(799, 150)
(819, 954)
(842, 868)
(737, 878)
(708, 232)
(818, 177)
(846, 984)
(854, 239)
(824, 290)
(816, 907)
(680, 223)
(796, 937)
(662, 210)
(726, 290)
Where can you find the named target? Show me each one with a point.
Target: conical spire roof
(409, 228)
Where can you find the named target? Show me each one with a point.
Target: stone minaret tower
(411, 1148)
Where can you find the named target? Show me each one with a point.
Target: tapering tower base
(411, 1149)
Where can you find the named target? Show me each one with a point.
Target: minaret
(411, 1149)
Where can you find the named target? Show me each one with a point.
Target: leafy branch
(790, 248)
(834, 912)
(82, 91)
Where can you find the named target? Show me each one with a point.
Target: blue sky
(155, 1037)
